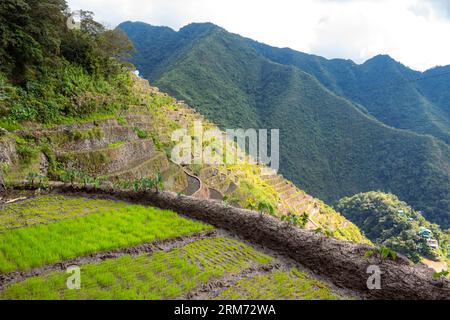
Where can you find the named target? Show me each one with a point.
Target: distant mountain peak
(133, 24)
(199, 27)
(381, 58)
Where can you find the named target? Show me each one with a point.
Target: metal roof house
(425, 233)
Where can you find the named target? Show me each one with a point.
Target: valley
(99, 199)
(335, 139)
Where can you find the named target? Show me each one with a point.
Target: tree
(30, 35)
(390, 222)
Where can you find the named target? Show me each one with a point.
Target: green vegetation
(336, 226)
(389, 222)
(142, 134)
(53, 208)
(158, 276)
(108, 229)
(384, 252)
(330, 146)
(116, 144)
(381, 86)
(279, 285)
(265, 208)
(252, 190)
(50, 74)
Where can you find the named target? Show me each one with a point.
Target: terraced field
(127, 251)
(288, 285)
(48, 209)
(109, 229)
(123, 149)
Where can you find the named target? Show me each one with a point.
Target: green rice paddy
(112, 227)
(50, 229)
(47, 209)
(279, 285)
(161, 275)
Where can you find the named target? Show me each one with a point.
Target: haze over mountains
(344, 128)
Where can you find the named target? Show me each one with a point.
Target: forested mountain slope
(391, 92)
(330, 146)
(80, 115)
(390, 222)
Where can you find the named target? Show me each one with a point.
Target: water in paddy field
(193, 186)
(215, 195)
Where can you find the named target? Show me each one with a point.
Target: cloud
(443, 6)
(411, 31)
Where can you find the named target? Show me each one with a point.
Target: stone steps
(274, 181)
(284, 188)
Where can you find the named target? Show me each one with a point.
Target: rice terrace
(201, 173)
(131, 251)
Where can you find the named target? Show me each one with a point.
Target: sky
(414, 32)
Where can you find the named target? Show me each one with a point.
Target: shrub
(142, 134)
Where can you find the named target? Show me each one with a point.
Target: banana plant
(265, 208)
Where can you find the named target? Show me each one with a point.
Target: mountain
(331, 145)
(386, 89)
(85, 170)
(81, 115)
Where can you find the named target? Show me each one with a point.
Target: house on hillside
(137, 73)
(425, 233)
(433, 244)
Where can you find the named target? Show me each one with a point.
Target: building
(425, 233)
(432, 243)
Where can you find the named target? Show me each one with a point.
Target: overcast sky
(414, 32)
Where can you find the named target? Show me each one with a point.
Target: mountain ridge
(327, 135)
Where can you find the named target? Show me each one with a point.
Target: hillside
(330, 146)
(126, 247)
(68, 121)
(94, 206)
(121, 150)
(391, 92)
(390, 222)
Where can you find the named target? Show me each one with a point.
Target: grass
(131, 225)
(115, 145)
(47, 209)
(279, 285)
(142, 134)
(162, 275)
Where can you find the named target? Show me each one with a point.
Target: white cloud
(411, 31)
